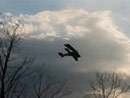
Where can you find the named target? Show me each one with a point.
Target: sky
(98, 29)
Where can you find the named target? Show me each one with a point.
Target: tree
(108, 85)
(10, 70)
(13, 69)
(46, 85)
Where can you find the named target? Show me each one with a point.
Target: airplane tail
(60, 54)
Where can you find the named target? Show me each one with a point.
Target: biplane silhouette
(70, 52)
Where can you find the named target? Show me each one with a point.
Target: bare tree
(46, 85)
(10, 70)
(108, 85)
(13, 69)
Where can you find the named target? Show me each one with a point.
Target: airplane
(70, 52)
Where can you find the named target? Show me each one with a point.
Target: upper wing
(69, 46)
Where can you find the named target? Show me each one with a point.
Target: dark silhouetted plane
(70, 52)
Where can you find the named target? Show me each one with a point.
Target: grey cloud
(94, 34)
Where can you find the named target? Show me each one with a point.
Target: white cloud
(70, 23)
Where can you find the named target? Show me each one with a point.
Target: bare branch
(108, 85)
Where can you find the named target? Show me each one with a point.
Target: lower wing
(76, 59)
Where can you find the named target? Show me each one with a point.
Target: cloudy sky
(98, 29)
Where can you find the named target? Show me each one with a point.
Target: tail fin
(60, 54)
